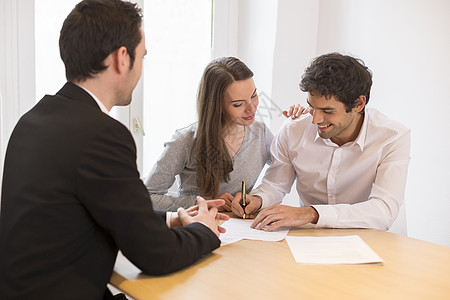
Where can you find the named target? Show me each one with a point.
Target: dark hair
(93, 30)
(338, 75)
(214, 163)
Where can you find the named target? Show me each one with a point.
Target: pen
(243, 198)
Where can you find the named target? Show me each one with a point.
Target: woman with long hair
(226, 146)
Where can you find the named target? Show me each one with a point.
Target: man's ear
(360, 104)
(121, 59)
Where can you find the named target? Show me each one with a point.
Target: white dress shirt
(360, 184)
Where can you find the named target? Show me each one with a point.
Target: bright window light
(178, 41)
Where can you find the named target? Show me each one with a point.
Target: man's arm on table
(378, 211)
(119, 203)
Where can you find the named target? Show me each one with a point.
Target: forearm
(372, 213)
(177, 249)
(115, 198)
(380, 209)
(171, 203)
(270, 193)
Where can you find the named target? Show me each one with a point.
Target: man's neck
(95, 87)
(357, 125)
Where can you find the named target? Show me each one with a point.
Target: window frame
(17, 65)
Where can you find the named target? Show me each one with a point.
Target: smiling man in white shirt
(350, 162)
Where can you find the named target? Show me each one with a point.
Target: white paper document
(332, 250)
(239, 229)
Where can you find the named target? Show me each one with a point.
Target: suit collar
(76, 93)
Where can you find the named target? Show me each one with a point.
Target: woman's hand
(295, 111)
(228, 199)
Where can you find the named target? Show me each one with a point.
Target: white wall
(295, 46)
(406, 43)
(16, 41)
(256, 39)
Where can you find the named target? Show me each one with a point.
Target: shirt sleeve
(171, 163)
(280, 176)
(109, 188)
(269, 140)
(387, 193)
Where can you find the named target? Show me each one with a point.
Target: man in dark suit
(72, 196)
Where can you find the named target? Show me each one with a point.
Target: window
(178, 41)
(49, 17)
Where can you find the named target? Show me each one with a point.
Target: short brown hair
(93, 30)
(338, 75)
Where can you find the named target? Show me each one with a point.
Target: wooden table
(413, 269)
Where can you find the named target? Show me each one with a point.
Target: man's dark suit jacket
(72, 197)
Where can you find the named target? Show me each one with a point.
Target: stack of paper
(332, 250)
(238, 229)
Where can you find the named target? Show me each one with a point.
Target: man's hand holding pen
(252, 205)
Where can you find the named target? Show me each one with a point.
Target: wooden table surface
(413, 269)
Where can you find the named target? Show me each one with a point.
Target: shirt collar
(99, 103)
(360, 140)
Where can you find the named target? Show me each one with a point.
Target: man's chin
(324, 135)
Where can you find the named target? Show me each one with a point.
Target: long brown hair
(214, 163)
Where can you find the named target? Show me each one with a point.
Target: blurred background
(406, 44)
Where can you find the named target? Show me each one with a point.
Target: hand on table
(279, 215)
(204, 212)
